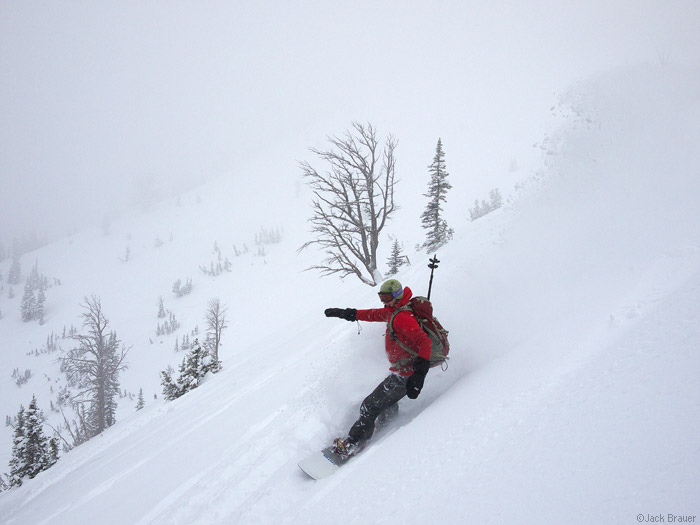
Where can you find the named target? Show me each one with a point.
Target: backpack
(422, 309)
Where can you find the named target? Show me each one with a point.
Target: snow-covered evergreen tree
(39, 450)
(15, 272)
(28, 304)
(479, 210)
(34, 279)
(195, 365)
(53, 451)
(193, 369)
(169, 326)
(161, 308)
(485, 207)
(396, 259)
(18, 467)
(496, 199)
(32, 452)
(170, 388)
(140, 403)
(181, 290)
(40, 301)
(32, 304)
(438, 233)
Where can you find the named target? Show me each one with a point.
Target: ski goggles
(387, 297)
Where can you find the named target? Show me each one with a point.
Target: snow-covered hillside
(572, 395)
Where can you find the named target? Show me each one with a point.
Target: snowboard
(322, 464)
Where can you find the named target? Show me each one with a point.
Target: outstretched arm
(374, 315)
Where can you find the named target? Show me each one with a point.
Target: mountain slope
(571, 395)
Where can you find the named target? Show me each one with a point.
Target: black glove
(349, 314)
(414, 383)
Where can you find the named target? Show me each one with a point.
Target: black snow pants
(382, 403)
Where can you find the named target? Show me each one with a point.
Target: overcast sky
(101, 102)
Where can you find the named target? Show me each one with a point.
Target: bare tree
(94, 368)
(215, 318)
(353, 201)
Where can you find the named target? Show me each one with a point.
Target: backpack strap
(392, 333)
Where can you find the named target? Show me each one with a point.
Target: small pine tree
(170, 388)
(28, 304)
(53, 451)
(192, 369)
(15, 273)
(34, 298)
(140, 403)
(485, 207)
(161, 308)
(41, 300)
(181, 290)
(438, 232)
(34, 279)
(396, 260)
(496, 199)
(476, 211)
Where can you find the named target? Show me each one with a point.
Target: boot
(345, 448)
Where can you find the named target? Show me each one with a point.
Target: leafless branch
(215, 318)
(352, 201)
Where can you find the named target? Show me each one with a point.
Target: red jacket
(407, 330)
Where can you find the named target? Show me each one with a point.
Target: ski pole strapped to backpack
(422, 309)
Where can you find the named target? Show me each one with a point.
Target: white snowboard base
(322, 464)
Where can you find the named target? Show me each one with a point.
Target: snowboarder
(408, 371)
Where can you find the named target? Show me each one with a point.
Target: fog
(114, 104)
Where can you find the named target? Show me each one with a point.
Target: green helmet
(393, 287)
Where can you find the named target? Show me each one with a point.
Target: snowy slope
(572, 395)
